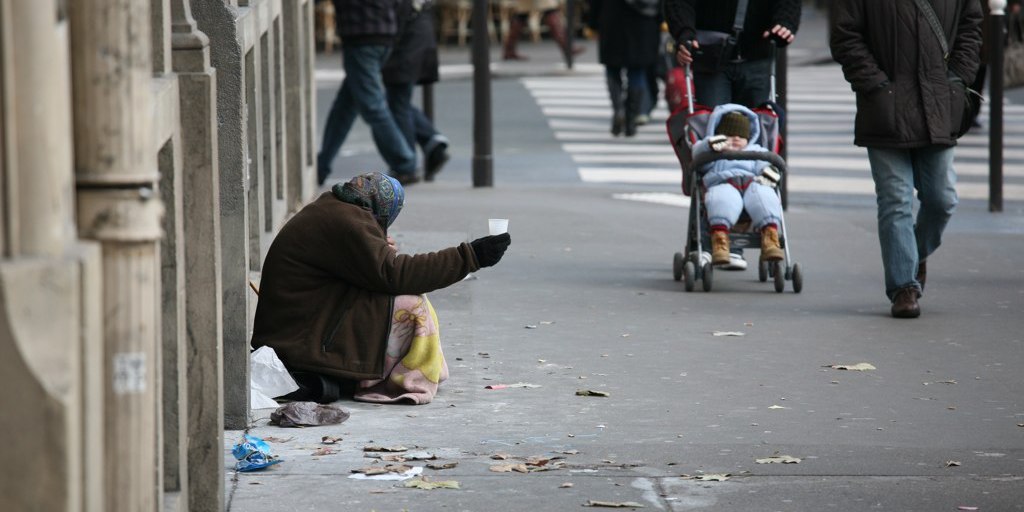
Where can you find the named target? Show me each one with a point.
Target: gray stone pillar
(198, 87)
(218, 20)
(299, 100)
(118, 206)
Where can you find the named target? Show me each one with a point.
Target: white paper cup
(497, 226)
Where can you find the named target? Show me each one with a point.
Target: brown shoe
(771, 250)
(922, 273)
(719, 248)
(904, 303)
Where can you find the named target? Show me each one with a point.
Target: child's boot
(771, 250)
(719, 247)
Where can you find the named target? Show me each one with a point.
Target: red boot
(515, 29)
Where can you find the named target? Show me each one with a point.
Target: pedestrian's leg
(400, 103)
(339, 122)
(892, 171)
(712, 89)
(751, 82)
(636, 92)
(362, 72)
(613, 77)
(434, 144)
(553, 19)
(936, 189)
(515, 31)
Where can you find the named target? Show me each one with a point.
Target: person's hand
(392, 244)
(718, 143)
(683, 55)
(782, 33)
(490, 249)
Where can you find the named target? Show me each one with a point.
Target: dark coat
(626, 38)
(366, 21)
(685, 17)
(894, 63)
(414, 55)
(328, 287)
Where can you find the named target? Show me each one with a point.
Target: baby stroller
(687, 125)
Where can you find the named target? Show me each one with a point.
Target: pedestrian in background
(628, 40)
(414, 61)
(904, 118)
(367, 29)
(551, 16)
(741, 74)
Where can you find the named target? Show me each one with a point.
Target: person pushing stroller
(734, 185)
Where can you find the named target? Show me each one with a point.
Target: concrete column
(119, 207)
(46, 276)
(218, 20)
(298, 101)
(198, 87)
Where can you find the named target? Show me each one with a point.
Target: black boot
(634, 104)
(618, 110)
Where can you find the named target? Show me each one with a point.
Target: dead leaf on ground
(859, 367)
(323, 451)
(421, 455)
(376, 448)
(381, 470)
(565, 485)
(508, 468)
(779, 459)
(952, 463)
(537, 460)
(442, 465)
(574, 452)
(329, 439)
(423, 483)
(500, 456)
(613, 504)
(728, 333)
(390, 457)
(590, 392)
(273, 439)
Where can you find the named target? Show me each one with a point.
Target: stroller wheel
(762, 271)
(780, 276)
(689, 274)
(798, 278)
(705, 279)
(677, 266)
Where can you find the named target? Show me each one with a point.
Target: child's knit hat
(734, 123)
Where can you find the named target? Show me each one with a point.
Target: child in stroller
(734, 185)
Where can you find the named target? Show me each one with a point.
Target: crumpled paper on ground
(269, 379)
(302, 414)
(253, 453)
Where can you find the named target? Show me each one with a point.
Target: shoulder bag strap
(933, 20)
(741, 16)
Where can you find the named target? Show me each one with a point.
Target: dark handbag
(717, 49)
(964, 102)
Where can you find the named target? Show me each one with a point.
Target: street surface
(585, 300)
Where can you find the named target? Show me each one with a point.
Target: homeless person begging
(338, 303)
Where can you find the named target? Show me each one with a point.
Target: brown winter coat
(894, 62)
(328, 288)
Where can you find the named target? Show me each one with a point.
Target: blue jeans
(414, 124)
(905, 243)
(747, 83)
(362, 93)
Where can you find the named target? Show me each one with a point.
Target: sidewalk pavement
(585, 300)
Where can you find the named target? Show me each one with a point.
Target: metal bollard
(483, 159)
(995, 131)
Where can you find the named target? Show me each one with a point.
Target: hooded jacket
(328, 286)
(721, 171)
(894, 63)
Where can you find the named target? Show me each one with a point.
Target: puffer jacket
(721, 171)
(328, 286)
(894, 63)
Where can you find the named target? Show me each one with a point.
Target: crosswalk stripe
(821, 156)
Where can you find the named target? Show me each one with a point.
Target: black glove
(490, 249)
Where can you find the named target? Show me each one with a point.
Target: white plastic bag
(269, 378)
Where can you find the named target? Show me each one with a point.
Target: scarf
(375, 191)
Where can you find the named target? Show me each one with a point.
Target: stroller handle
(765, 156)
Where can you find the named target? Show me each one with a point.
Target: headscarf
(375, 191)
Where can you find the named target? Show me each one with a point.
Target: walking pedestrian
(414, 61)
(338, 301)
(628, 41)
(905, 120)
(731, 73)
(551, 16)
(367, 29)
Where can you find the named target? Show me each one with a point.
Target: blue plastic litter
(253, 453)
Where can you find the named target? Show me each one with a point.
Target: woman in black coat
(628, 43)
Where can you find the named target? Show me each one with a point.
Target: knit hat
(735, 124)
